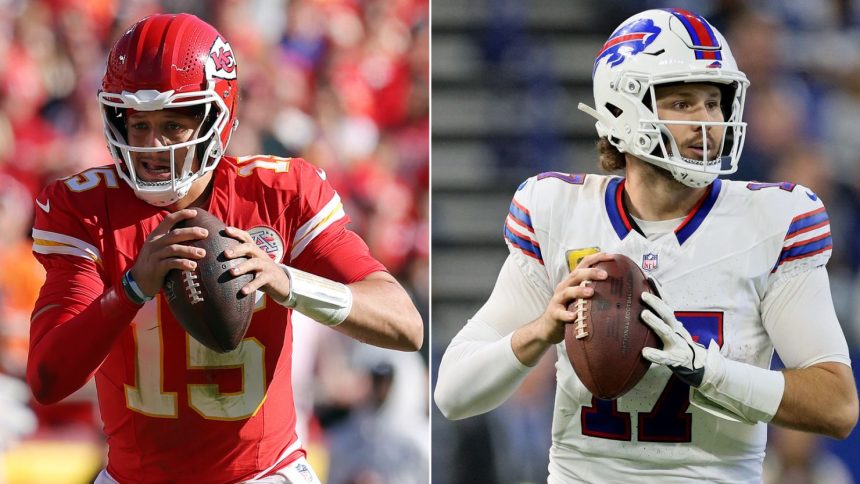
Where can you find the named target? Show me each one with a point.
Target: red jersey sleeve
(322, 244)
(63, 245)
(75, 321)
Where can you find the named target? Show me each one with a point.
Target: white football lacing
(580, 315)
(192, 287)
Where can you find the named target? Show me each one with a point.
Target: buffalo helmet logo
(628, 40)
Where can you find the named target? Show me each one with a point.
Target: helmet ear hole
(615, 110)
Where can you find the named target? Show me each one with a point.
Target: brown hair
(609, 158)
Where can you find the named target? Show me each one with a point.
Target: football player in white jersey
(741, 267)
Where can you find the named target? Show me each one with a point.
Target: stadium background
(342, 83)
(506, 78)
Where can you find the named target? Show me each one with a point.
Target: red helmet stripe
(621, 38)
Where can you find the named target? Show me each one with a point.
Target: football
(605, 342)
(207, 301)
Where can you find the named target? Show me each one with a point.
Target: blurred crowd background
(341, 83)
(507, 76)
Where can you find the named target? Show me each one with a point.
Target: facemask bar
(721, 164)
(164, 193)
(655, 129)
(650, 129)
(179, 182)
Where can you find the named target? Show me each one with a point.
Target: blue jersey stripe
(807, 248)
(807, 221)
(521, 216)
(524, 244)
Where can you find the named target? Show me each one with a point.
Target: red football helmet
(170, 61)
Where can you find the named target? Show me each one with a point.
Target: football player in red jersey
(173, 410)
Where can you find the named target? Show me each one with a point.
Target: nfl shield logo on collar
(649, 262)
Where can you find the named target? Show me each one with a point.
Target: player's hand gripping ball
(207, 301)
(604, 343)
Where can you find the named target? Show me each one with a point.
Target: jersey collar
(623, 223)
(616, 208)
(700, 211)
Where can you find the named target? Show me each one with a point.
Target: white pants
(298, 472)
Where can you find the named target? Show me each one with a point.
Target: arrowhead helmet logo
(221, 62)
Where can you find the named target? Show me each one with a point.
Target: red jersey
(173, 410)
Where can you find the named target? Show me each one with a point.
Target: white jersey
(741, 241)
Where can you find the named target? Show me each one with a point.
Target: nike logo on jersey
(811, 196)
(321, 173)
(44, 206)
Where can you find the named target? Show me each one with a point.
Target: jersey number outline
(277, 164)
(786, 186)
(668, 420)
(89, 179)
(147, 397)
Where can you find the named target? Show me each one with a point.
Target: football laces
(581, 327)
(192, 286)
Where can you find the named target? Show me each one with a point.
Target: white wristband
(323, 300)
(751, 393)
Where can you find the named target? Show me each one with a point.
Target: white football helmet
(662, 47)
